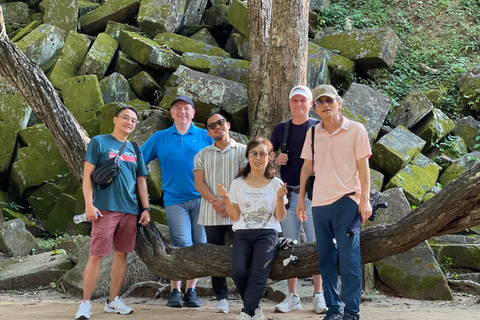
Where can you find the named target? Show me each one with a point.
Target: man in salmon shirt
(341, 192)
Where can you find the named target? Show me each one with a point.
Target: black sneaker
(190, 299)
(334, 316)
(175, 299)
(349, 316)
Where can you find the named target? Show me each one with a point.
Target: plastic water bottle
(80, 218)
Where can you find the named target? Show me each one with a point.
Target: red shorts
(117, 228)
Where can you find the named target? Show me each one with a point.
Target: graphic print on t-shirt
(258, 213)
(126, 156)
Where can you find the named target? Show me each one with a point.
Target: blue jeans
(183, 224)
(331, 222)
(291, 225)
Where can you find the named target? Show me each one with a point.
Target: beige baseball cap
(324, 90)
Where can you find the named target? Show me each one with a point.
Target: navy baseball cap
(185, 99)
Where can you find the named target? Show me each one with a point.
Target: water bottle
(80, 218)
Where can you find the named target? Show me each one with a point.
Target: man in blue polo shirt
(175, 148)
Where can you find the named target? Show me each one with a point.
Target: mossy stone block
(416, 179)
(61, 217)
(158, 214)
(433, 127)
(467, 128)
(43, 45)
(14, 115)
(113, 29)
(115, 88)
(144, 86)
(394, 150)
(155, 16)
(369, 48)
(119, 10)
(125, 65)
(181, 44)
(43, 199)
(99, 56)
(203, 35)
(85, 7)
(25, 31)
(148, 52)
(414, 274)
(59, 14)
(238, 16)
(82, 96)
(217, 15)
(40, 161)
(32, 227)
(459, 166)
(70, 59)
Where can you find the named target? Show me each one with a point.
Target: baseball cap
(325, 90)
(303, 90)
(185, 99)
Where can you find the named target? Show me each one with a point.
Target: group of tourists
(215, 186)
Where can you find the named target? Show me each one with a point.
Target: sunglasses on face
(129, 119)
(219, 123)
(254, 154)
(328, 101)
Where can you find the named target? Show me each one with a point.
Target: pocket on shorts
(97, 230)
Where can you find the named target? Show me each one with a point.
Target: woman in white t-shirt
(256, 203)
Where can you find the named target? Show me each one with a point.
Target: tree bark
(31, 82)
(278, 59)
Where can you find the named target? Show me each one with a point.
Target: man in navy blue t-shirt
(300, 102)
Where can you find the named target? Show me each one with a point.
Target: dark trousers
(216, 235)
(253, 252)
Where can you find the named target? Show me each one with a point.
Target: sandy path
(49, 305)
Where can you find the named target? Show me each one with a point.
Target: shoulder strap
(286, 133)
(313, 140)
(122, 148)
(137, 152)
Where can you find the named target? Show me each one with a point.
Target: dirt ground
(50, 304)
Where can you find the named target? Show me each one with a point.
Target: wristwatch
(147, 208)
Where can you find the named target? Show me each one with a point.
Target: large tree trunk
(32, 83)
(455, 208)
(278, 59)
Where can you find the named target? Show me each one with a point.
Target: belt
(295, 190)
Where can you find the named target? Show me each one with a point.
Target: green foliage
(12, 205)
(446, 265)
(439, 42)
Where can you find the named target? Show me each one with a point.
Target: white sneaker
(258, 314)
(222, 306)
(117, 306)
(290, 303)
(319, 305)
(84, 310)
(243, 316)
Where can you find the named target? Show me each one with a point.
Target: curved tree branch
(31, 82)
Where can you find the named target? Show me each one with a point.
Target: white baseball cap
(303, 90)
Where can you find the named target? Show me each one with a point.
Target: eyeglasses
(254, 154)
(319, 103)
(219, 123)
(129, 119)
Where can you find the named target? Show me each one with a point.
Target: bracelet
(147, 208)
